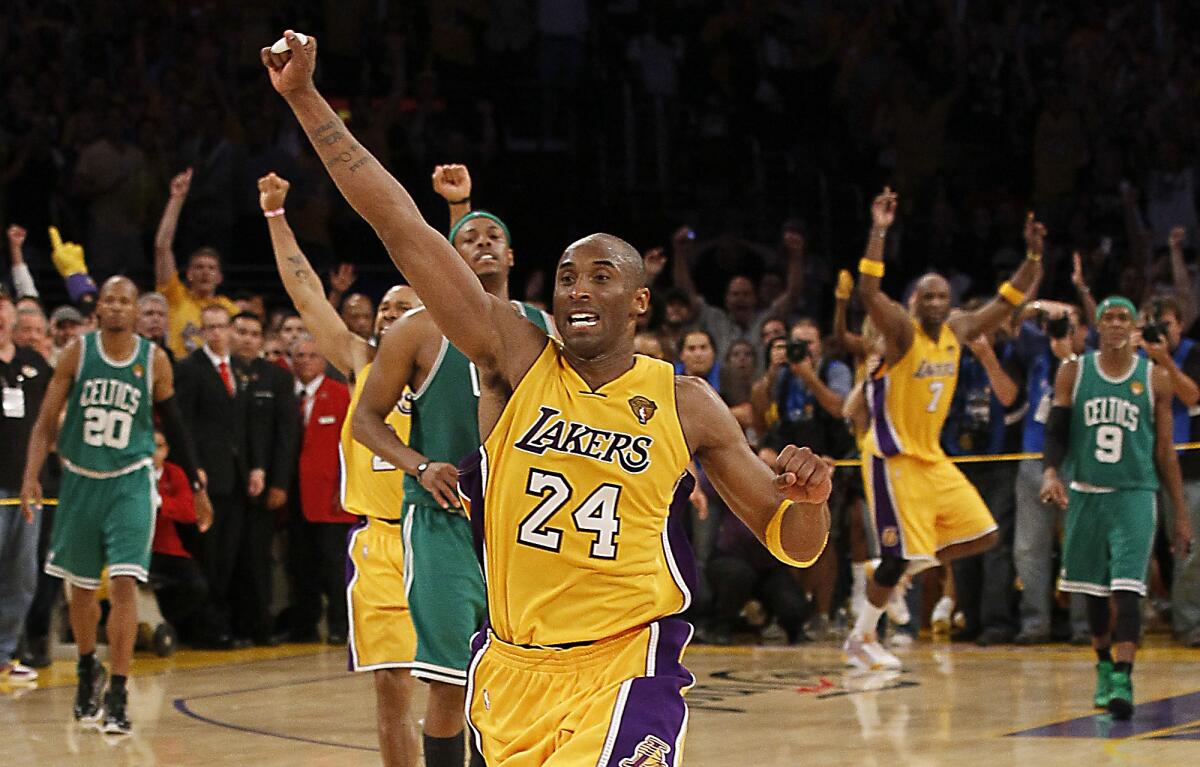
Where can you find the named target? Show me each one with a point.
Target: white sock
(868, 620)
(858, 578)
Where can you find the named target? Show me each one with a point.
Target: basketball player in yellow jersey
(925, 509)
(585, 446)
(382, 639)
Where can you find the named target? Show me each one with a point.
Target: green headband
(480, 214)
(1112, 301)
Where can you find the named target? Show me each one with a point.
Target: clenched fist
(452, 183)
(291, 71)
(803, 476)
(272, 191)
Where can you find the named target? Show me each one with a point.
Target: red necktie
(226, 378)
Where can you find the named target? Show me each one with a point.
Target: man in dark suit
(271, 435)
(207, 390)
(318, 525)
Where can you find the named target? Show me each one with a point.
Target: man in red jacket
(317, 529)
(178, 582)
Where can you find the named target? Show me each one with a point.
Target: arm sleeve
(23, 281)
(178, 438)
(1058, 430)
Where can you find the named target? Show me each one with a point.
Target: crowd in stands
(140, 142)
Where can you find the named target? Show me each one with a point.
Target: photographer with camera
(1163, 341)
(1055, 334)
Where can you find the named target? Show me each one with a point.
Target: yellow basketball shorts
(381, 627)
(610, 703)
(922, 507)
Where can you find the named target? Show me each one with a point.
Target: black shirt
(30, 373)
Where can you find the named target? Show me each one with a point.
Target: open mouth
(486, 258)
(582, 320)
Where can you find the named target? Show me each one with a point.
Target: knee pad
(890, 570)
(1129, 616)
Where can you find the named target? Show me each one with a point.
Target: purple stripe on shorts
(883, 431)
(470, 484)
(654, 715)
(350, 570)
(885, 512)
(681, 550)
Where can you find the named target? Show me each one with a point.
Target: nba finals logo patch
(890, 537)
(651, 752)
(1137, 388)
(643, 409)
(138, 371)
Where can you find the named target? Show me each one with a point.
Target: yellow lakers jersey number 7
(371, 486)
(570, 497)
(910, 399)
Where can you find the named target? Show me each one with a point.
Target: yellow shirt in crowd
(183, 319)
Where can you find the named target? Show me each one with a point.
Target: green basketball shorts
(445, 592)
(1108, 541)
(103, 521)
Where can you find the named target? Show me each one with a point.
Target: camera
(797, 351)
(1154, 332)
(1059, 327)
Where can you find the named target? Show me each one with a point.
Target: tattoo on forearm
(330, 134)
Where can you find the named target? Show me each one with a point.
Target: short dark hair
(248, 316)
(206, 250)
(696, 331)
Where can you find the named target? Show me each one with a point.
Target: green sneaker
(1120, 702)
(1104, 670)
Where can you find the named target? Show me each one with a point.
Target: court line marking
(181, 705)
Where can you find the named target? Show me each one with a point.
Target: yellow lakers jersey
(371, 486)
(910, 399)
(576, 499)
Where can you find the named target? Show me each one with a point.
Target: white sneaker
(897, 608)
(901, 639)
(865, 655)
(943, 615)
(18, 674)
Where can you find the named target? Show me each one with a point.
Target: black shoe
(37, 652)
(1029, 638)
(308, 636)
(241, 643)
(964, 635)
(337, 639)
(266, 640)
(994, 636)
(115, 720)
(88, 694)
(215, 642)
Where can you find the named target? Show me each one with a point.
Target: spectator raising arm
(340, 280)
(21, 277)
(1185, 296)
(348, 352)
(165, 270)
(851, 342)
(1086, 300)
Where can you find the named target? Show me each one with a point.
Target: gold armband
(1011, 294)
(1029, 254)
(775, 542)
(873, 268)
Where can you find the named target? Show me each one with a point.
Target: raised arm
(483, 327)
(892, 319)
(22, 278)
(45, 428)
(1184, 294)
(683, 250)
(384, 387)
(1086, 300)
(851, 342)
(165, 269)
(993, 314)
(344, 349)
(453, 184)
(794, 244)
(787, 509)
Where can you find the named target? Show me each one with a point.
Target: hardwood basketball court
(769, 706)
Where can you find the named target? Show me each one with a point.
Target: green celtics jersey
(109, 426)
(445, 410)
(1112, 427)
